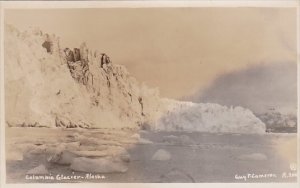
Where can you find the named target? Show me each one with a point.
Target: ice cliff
(44, 89)
(207, 117)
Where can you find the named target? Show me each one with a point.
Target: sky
(181, 51)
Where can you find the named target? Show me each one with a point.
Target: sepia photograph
(183, 94)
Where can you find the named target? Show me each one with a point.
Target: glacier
(42, 91)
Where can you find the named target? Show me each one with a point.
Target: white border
(149, 4)
(2, 100)
(298, 89)
(139, 4)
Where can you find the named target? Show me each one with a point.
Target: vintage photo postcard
(149, 93)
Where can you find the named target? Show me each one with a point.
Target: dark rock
(77, 54)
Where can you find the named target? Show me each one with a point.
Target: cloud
(258, 87)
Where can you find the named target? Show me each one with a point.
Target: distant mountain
(257, 87)
(278, 122)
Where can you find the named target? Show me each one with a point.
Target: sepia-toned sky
(179, 50)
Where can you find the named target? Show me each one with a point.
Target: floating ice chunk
(144, 141)
(39, 170)
(161, 155)
(176, 176)
(100, 165)
(136, 136)
(254, 157)
(64, 157)
(180, 140)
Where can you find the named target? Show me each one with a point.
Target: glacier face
(207, 117)
(42, 90)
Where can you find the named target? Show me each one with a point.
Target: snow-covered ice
(188, 116)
